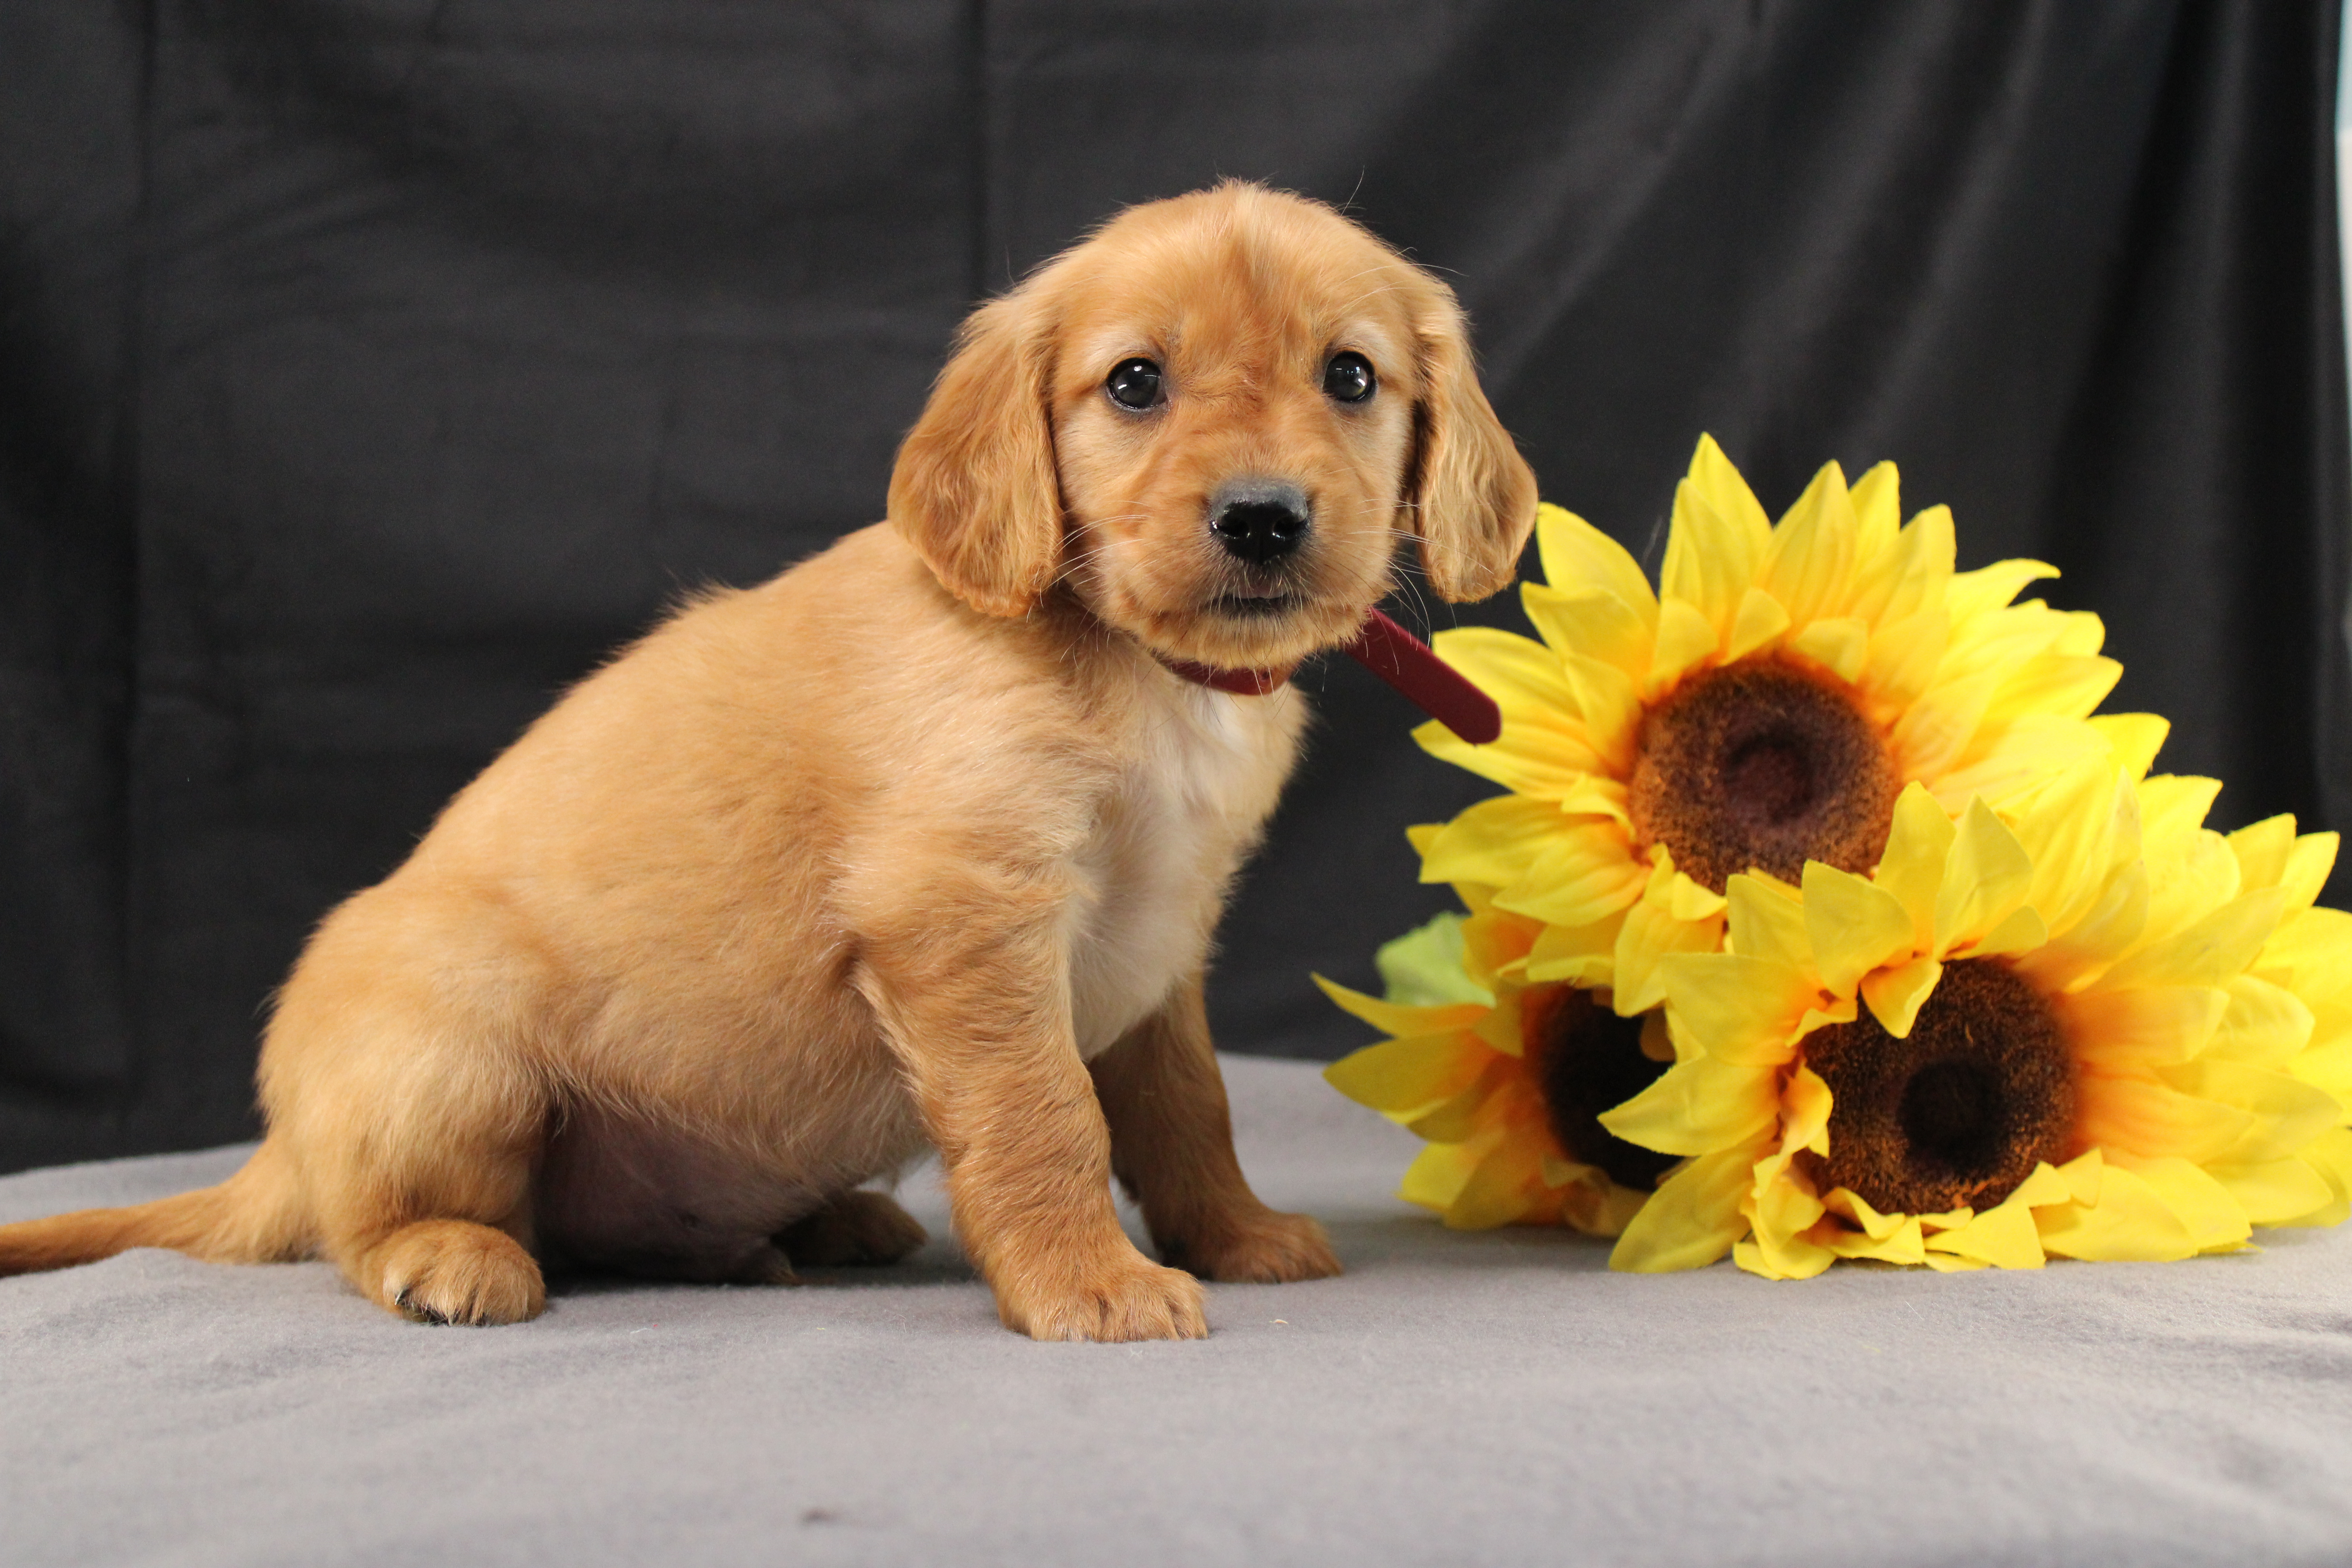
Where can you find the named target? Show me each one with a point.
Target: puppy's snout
(1257, 521)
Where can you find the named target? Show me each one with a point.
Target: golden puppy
(925, 839)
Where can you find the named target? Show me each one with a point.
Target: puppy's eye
(1349, 377)
(1134, 384)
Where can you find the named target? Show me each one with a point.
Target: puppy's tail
(255, 1217)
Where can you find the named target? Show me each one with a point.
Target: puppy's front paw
(1264, 1248)
(1120, 1299)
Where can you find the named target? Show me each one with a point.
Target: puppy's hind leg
(452, 1271)
(853, 1227)
(416, 1128)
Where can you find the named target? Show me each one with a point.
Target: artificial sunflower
(1761, 710)
(1506, 1079)
(2084, 1026)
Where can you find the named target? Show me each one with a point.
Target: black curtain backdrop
(368, 368)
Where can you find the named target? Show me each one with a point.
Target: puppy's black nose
(1257, 521)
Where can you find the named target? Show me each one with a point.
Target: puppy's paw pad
(1267, 1249)
(450, 1271)
(1133, 1299)
(855, 1228)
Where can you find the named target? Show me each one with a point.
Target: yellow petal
(1577, 878)
(1933, 734)
(1500, 1187)
(2132, 1113)
(1778, 1254)
(1575, 554)
(1986, 878)
(2210, 951)
(2130, 1222)
(1700, 1107)
(2000, 642)
(1411, 1074)
(1497, 842)
(1809, 564)
(1797, 1258)
(1841, 645)
(1896, 994)
(1584, 955)
(1710, 563)
(1757, 623)
(1741, 1009)
(2142, 1025)
(1540, 755)
(1851, 1205)
(1439, 1172)
(1592, 622)
(1692, 1220)
(2175, 804)
(1768, 921)
(1493, 941)
(2213, 1218)
(1901, 658)
(1468, 1112)
(1611, 707)
(2309, 948)
(2286, 1113)
(2331, 1157)
(2274, 1191)
(2307, 867)
(2076, 829)
(1918, 847)
(1877, 522)
(2110, 928)
(2004, 1237)
(2054, 683)
(1920, 570)
(1727, 493)
(2135, 738)
(1903, 1244)
(1543, 748)
(2261, 848)
(1989, 588)
(1593, 796)
(1805, 1107)
(1651, 932)
(1402, 1022)
(1687, 901)
(2265, 1025)
(2022, 932)
(1854, 926)
(2013, 759)
(1686, 638)
(1598, 1206)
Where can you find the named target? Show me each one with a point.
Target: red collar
(1240, 682)
(1397, 657)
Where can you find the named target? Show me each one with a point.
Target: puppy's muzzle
(1259, 522)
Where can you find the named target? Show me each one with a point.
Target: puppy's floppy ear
(974, 490)
(1472, 495)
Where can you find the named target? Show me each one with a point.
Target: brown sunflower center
(1587, 1060)
(1761, 765)
(1960, 1113)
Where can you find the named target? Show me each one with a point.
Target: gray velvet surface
(1489, 1398)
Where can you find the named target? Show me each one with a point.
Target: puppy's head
(1211, 421)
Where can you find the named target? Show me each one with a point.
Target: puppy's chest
(1154, 872)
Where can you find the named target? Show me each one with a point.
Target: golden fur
(919, 841)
